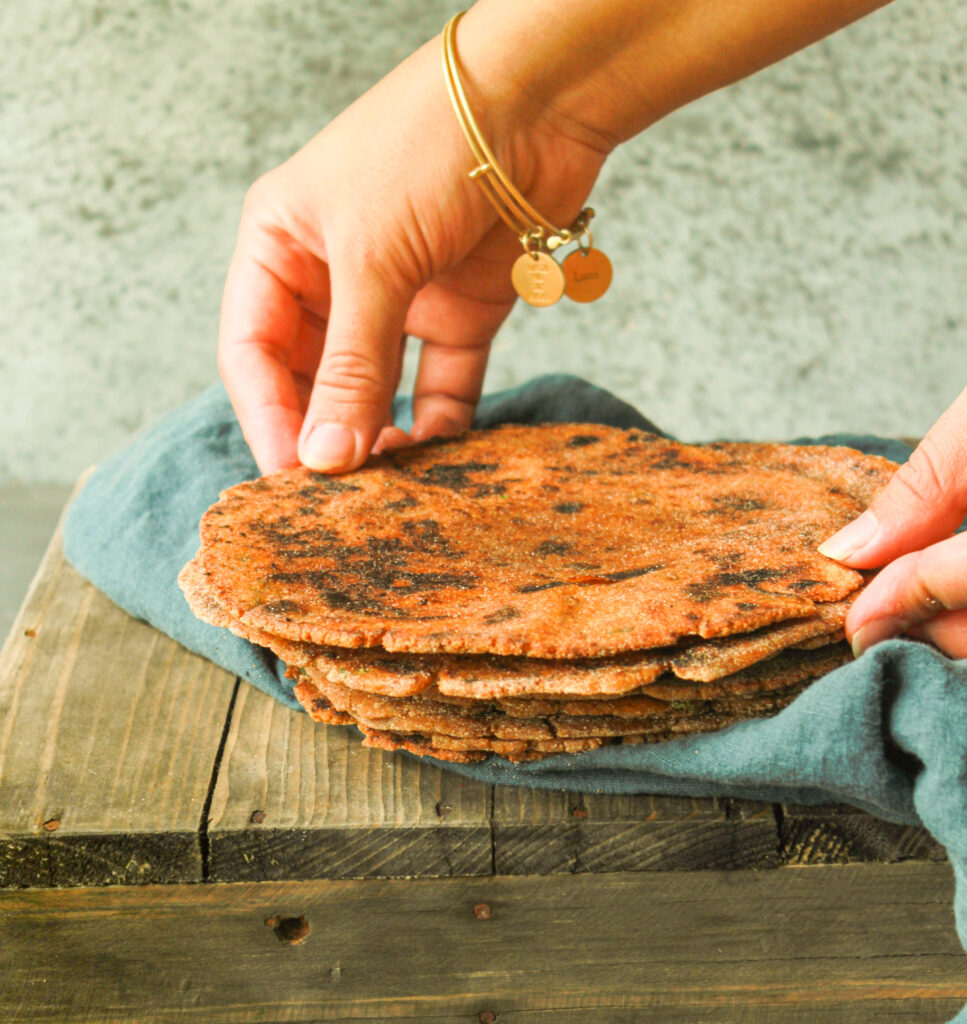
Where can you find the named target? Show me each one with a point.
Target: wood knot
(482, 911)
(290, 930)
(51, 825)
(487, 1017)
(257, 817)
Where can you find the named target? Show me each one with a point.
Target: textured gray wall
(790, 253)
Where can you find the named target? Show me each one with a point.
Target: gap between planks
(203, 840)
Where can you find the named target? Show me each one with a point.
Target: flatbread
(201, 600)
(777, 673)
(680, 726)
(560, 541)
(565, 720)
(485, 677)
(472, 717)
(482, 677)
(446, 749)
(421, 746)
(713, 659)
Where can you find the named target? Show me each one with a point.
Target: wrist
(601, 71)
(520, 80)
(529, 69)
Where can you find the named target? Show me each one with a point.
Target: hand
(909, 529)
(374, 231)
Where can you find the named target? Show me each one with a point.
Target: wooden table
(174, 844)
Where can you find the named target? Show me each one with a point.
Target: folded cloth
(886, 733)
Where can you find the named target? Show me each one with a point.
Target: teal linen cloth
(886, 733)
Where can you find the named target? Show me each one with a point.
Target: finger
(448, 385)
(404, 338)
(457, 332)
(911, 590)
(305, 356)
(260, 320)
(923, 503)
(948, 631)
(354, 385)
(272, 285)
(390, 438)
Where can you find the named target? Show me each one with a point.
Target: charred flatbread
(561, 541)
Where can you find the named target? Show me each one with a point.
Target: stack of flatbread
(535, 590)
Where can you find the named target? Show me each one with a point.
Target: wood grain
(295, 799)
(108, 736)
(840, 834)
(542, 832)
(846, 943)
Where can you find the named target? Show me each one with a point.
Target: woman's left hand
(909, 529)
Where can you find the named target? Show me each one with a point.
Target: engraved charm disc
(587, 274)
(537, 278)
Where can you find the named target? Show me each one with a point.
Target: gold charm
(587, 274)
(538, 278)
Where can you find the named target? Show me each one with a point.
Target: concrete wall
(790, 254)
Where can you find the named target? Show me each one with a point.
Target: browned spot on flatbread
(515, 542)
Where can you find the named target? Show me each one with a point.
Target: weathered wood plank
(840, 834)
(911, 1011)
(856, 943)
(544, 832)
(108, 736)
(295, 799)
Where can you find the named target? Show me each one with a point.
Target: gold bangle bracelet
(537, 277)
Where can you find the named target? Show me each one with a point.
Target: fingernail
(851, 539)
(329, 446)
(875, 632)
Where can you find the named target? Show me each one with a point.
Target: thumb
(354, 384)
(911, 592)
(923, 503)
